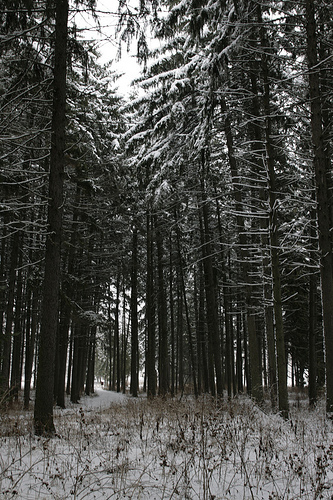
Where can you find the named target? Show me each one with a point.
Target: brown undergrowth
(161, 449)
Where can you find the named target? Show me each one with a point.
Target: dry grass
(165, 449)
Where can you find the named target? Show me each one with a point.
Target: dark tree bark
(229, 344)
(3, 262)
(7, 340)
(274, 238)
(239, 352)
(189, 330)
(116, 345)
(313, 325)
(255, 358)
(321, 164)
(210, 288)
(207, 310)
(124, 339)
(198, 333)
(246, 356)
(67, 295)
(163, 354)
(43, 413)
(202, 332)
(172, 320)
(89, 389)
(15, 378)
(134, 316)
(78, 339)
(111, 346)
(30, 336)
(228, 322)
(269, 322)
(255, 386)
(70, 361)
(62, 347)
(180, 335)
(150, 314)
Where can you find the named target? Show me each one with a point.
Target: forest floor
(112, 446)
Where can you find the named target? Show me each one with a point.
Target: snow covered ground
(111, 446)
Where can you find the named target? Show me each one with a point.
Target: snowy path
(100, 400)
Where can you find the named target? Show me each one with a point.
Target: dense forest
(180, 236)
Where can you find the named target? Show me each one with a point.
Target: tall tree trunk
(211, 298)
(246, 356)
(43, 414)
(134, 315)
(256, 387)
(123, 368)
(202, 332)
(30, 336)
(79, 339)
(3, 286)
(312, 340)
(7, 341)
(239, 356)
(205, 286)
(229, 353)
(180, 336)
(274, 240)
(198, 333)
(111, 346)
(116, 347)
(67, 295)
(227, 343)
(70, 360)
(150, 314)
(321, 164)
(91, 361)
(63, 332)
(15, 379)
(163, 355)
(172, 320)
(313, 306)
(255, 358)
(269, 323)
(189, 331)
